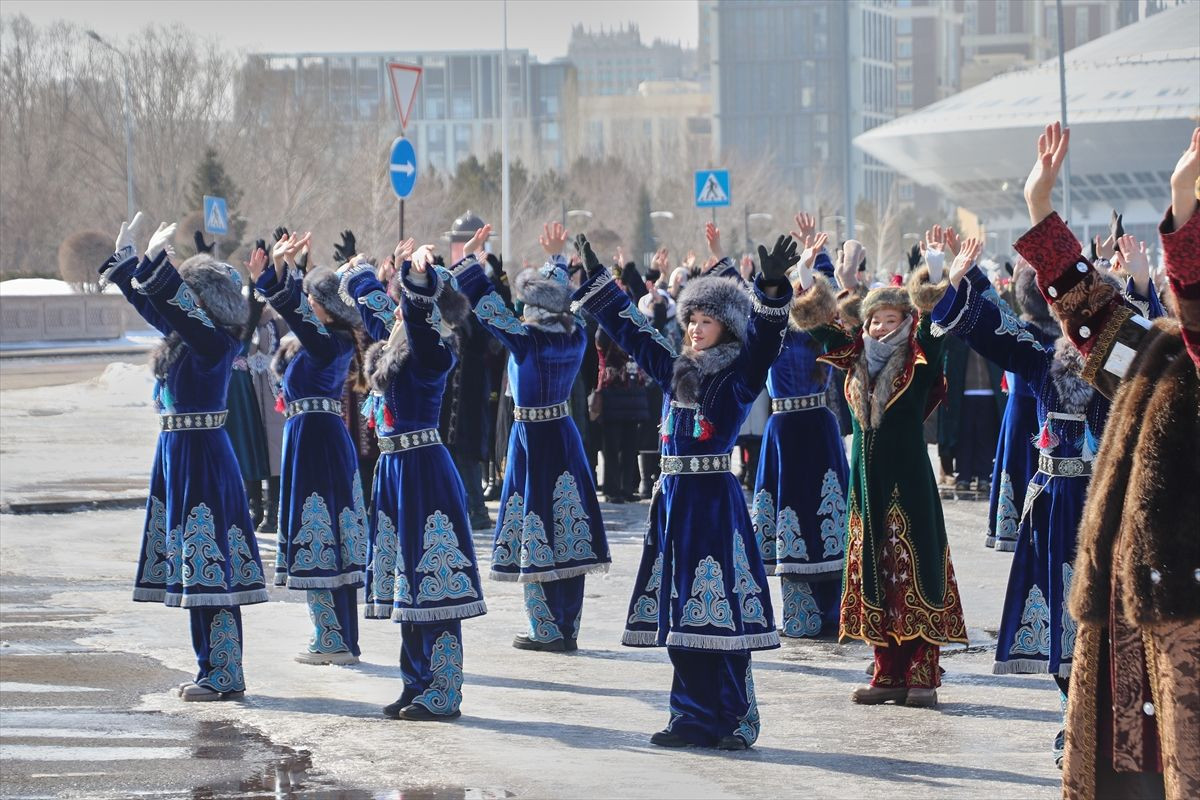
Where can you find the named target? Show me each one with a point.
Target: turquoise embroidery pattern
(1009, 324)
(833, 509)
(791, 543)
(327, 632)
(384, 569)
(224, 655)
(315, 545)
(243, 565)
(442, 561)
(745, 586)
(542, 627)
(305, 310)
(382, 307)
(1068, 624)
(572, 535)
(185, 300)
(1007, 518)
(631, 313)
(352, 524)
(535, 550)
(508, 541)
(154, 566)
(202, 558)
(749, 725)
(763, 516)
(491, 311)
(444, 694)
(1033, 637)
(174, 556)
(707, 605)
(645, 610)
(801, 617)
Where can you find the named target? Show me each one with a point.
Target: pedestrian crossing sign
(216, 215)
(712, 188)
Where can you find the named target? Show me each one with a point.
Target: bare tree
(80, 256)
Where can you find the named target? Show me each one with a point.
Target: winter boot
(648, 466)
(270, 523)
(254, 495)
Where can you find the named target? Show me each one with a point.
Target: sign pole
(401, 221)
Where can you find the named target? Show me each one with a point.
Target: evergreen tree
(643, 235)
(210, 178)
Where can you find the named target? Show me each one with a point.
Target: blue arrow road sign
(216, 215)
(712, 188)
(403, 167)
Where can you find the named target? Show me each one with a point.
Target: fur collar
(289, 346)
(384, 360)
(869, 400)
(691, 368)
(549, 321)
(1074, 392)
(166, 353)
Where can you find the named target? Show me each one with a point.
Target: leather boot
(254, 495)
(491, 490)
(270, 523)
(648, 466)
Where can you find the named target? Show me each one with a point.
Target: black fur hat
(322, 283)
(218, 290)
(724, 299)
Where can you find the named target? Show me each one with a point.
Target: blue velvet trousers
(334, 614)
(712, 696)
(431, 663)
(217, 640)
(554, 609)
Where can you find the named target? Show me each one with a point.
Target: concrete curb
(68, 505)
(72, 352)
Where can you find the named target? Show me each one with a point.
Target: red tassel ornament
(279, 404)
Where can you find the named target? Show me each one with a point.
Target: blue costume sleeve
(603, 299)
(422, 319)
(764, 338)
(176, 303)
(490, 308)
(990, 330)
(1150, 306)
(288, 298)
(725, 268)
(119, 269)
(363, 290)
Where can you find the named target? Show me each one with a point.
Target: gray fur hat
(322, 283)
(546, 287)
(218, 289)
(724, 299)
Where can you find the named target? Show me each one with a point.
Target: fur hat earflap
(454, 306)
(724, 299)
(885, 297)
(813, 307)
(849, 304)
(1034, 307)
(546, 288)
(923, 294)
(218, 289)
(323, 283)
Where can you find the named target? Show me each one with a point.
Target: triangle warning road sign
(405, 78)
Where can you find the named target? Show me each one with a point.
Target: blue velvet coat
(550, 525)
(198, 546)
(322, 516)
(421, 563)
(701, 541)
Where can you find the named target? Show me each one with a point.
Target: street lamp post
(755, 216)
(128, 124)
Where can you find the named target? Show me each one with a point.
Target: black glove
(201, 245)
(261, 244)
(635, 284)
(280, 233)
(439, 261)
(302, 261)
(590, 262)
(1115, 228)
(914, 257)
(775, 264)
(347, 249)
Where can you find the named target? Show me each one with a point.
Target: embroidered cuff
(772, 308)
(421, 288)
(1055, 255)
(116, 265)
(344, 289)
(1181, 250)
(152, 276)
(585, 296)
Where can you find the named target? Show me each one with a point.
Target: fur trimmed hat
(923, 294)
(886, 297)
(322, 283)
(724, 299)
(218, 289)
(545, 287)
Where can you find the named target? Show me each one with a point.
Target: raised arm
(1180, 233)
(487, 304)
(772, 299)
(362, 289)
(288, 298)
(603, 299)
(420, 287)
(119, 269)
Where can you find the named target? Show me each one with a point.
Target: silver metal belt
(409, 441)
(308, 405)
(782, 405)
(1064, 467)
(540, 413)
(694, 465)
(202, 421)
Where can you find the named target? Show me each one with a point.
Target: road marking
(67, 774)
(16, 731)
(35, 752)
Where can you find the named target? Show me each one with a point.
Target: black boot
(254, 495)
(491, 490)
(270, 523)
(648, 467)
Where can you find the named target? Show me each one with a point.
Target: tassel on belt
(540, 413)
(200, 421)
(783, 405)
(695, 465)
(308, 405)
(409, 441)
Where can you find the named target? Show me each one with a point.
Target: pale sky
(540, 26)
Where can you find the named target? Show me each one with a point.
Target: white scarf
(878, 351)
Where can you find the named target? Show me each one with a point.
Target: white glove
(936, 261)
(160, 239)
(803, 271)
(127, 237)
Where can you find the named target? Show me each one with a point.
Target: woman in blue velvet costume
(322, 520)
(799, 507)
(701, 589)
(550, 533)
(421, 568)
(198, 547)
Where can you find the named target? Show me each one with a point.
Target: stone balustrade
(61, 317)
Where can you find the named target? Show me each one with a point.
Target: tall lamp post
(757, 216)
(128, 123)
